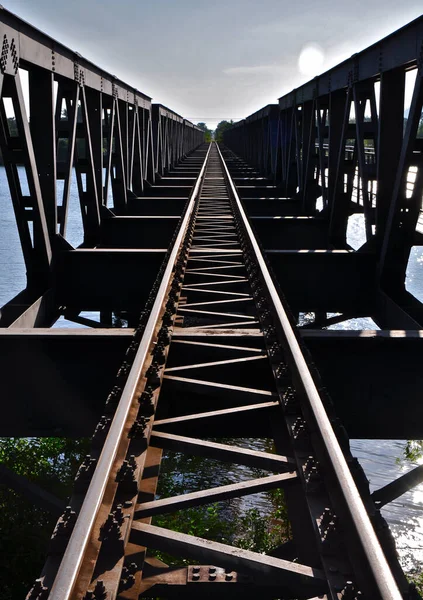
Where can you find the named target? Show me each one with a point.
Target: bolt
(128, 578)
(325, 518)
(153, 375)
(275, 350)
(131, 350)
(164, 336)
(349, 592)
(262, 302)
(159, 356)
(309, 464)
(289, 400)
(101, 430)
(38, 591)
(99, 592)
(281, 371)
(257, 291)
(330, 537)
(313, 474)
(124, 369)
(269, 332)
(85, 472)
(266, 316)
(127, 470)
(147, 402)
(170, 305)
(137, 429)
(297, 427)
(113, 398)
(65, 524)
(167, 318)
(110, 530)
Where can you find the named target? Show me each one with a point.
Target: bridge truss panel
(66, 121)
(346, 144)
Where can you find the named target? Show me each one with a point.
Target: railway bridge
(198, 265)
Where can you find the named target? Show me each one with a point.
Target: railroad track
(215, 355)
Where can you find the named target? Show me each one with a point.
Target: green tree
(13, 127)
(25, 529)
(206, 130)
(227, 521)
(221, 127)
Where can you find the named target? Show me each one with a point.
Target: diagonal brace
(300, 581)
(216, 494)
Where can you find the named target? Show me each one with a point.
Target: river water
(382, 460)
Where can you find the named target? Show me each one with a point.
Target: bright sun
(311, 60)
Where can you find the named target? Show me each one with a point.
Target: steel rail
(71, 563)
(377, 561)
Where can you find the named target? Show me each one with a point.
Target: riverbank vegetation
(25, 528)
(207, 131)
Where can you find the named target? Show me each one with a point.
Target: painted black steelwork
(172, 236)
(216, 329)
(83, 123)
(331, 141)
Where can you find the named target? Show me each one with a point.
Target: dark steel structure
(346, 143)
(86, 123)
(209, 255)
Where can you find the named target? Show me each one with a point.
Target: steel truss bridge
(210, 253)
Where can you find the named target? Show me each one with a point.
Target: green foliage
(202, 521)
(263, 533)
(50, 462)
(417, 580)
(13, 127)
(24, 529)
(221, 127)
(208, 132)
(413, 450)
(258, 533)
(250, 530)
(227, 522)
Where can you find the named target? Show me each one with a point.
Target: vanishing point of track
(215, 354)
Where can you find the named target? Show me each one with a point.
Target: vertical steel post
(17, 150)
(43, 133)
(390, 136)
(403, 212)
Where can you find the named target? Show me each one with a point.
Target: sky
(221, 59)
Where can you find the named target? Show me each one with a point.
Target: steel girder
(85, 123)
(341, 141)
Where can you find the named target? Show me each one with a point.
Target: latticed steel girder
(215, 352)
(346, 143)
(203, 238)
(89, 128)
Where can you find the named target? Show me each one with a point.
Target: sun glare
(311, 60)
